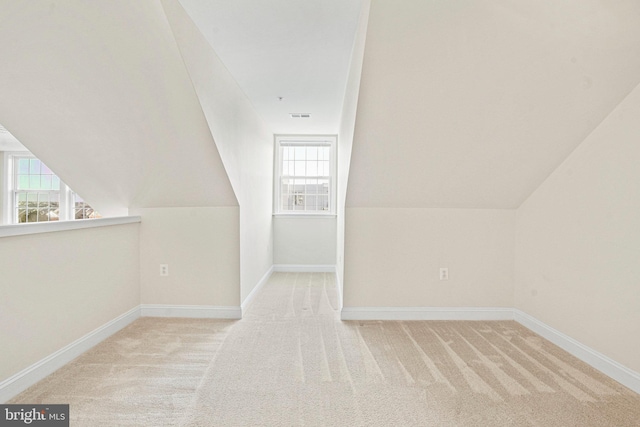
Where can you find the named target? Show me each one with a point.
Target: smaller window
(305, 175)
(36, 194)
(82, 210)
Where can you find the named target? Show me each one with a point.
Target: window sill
(49, 227)
(304, 215)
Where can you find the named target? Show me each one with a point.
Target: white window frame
(304, 140)
(67, 196)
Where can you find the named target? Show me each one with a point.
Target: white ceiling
(297, 50)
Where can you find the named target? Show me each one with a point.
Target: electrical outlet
(444, 273)
(164, 269)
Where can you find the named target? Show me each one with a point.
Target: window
(305, 175)
(36, 194)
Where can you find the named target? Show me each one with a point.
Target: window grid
(82, 210)
(305, 178)
(40, 196)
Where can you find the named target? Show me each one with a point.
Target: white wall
(473, 104)
(56, 287)
(304, 241)
(577, 246)
(2, 189)
(99, 92)
(201, 247)
(346, 132)
(243, 140)
(393, 256)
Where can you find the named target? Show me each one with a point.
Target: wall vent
(300, 115)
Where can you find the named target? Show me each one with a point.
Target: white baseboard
(301, 268)
(191, 311)
(426, 313)
(255, 290)
(599, 361)
(24, 379)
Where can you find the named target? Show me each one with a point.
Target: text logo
(34, 415)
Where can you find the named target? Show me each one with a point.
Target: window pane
(45, 182)
(312, 153)
(34, 166)
(23, 182)
(23, 166)
(32, 215)
(323, 186)
(82, 209)
(325, 168)
(311, 203)
(312, 186)
(37, 194)
(34, 182)
(312, 168)
(323, 203)
(54, 213)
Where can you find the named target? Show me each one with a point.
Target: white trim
(48, 227)
(304, 268)
(41, 369)
(339, 289)
(281, 140)
(599, 361)
(426, 313)
(5, 191)
(191, 311)
(301, 214)
(256, 288)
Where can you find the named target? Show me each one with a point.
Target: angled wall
(244, 142)
(577, 240)
(464, 109)
(99, 92)
(346, 134)
(473, 104)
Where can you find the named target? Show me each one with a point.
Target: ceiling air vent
(300, 115)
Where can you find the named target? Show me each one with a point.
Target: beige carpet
(292, 362)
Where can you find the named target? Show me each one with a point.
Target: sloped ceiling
(297, 50)
(99, 92)
(473, 104)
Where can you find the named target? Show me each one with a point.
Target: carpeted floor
(291, 362)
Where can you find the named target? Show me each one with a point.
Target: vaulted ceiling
(462, 104)
(295, 50)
